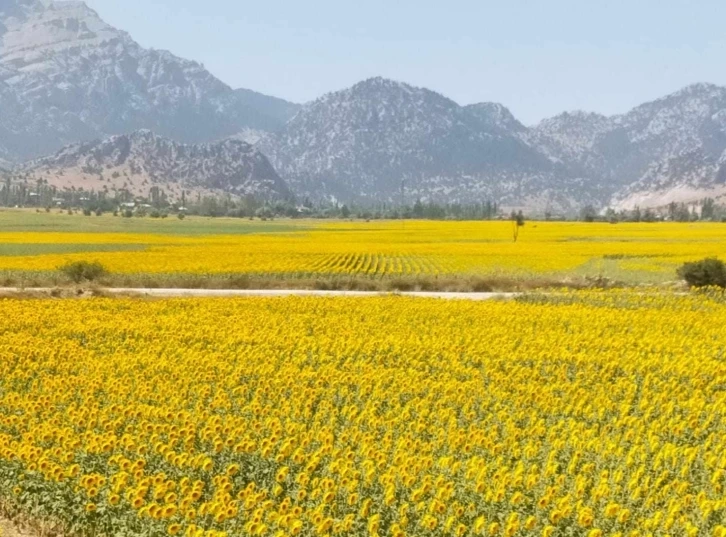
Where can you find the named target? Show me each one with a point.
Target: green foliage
(79, 271)
(709, 272)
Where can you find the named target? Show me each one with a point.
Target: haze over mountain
(362, 143)
(67, 77)
(672, 149)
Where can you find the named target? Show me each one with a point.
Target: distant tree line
(707, 210)
(157, 203)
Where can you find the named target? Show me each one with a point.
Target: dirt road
(180, 293)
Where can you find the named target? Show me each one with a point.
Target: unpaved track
(190, 293)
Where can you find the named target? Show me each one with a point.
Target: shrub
(180, 216)
(401, 284)
(79, 271)
(704, 273)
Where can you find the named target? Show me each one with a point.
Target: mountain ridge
(670, 149)
(138, 161)
(67, 76)
(362, 142)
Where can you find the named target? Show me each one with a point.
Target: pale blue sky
(539, 58)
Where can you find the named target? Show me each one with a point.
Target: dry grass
(13, 523)
(459, 284)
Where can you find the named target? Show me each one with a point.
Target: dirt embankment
(8, 529)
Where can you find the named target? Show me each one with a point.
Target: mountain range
(66, 76)
(108, 109)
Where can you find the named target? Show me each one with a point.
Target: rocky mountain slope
(364, 142)
(141, 160)
(672, 149)
(66, 76)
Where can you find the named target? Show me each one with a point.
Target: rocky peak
(571, 132)
(67, 76)
(496, 115)
(37, 29)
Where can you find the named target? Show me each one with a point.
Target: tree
(79, 271)
(683, 214)
(708, 209)
(673, 211)
(649, 215)
(704, 273)
(520, 219)
(517, 224)
(588, 213)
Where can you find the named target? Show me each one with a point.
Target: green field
(22, 220)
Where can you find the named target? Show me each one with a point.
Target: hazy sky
(538, 57)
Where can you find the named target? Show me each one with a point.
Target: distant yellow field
(628, 252)
(588, 415)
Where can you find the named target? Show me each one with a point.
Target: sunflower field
(578, 414)
(630, 253)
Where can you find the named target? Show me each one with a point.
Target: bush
(79, 271)
(180, 216)
(709, 272)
